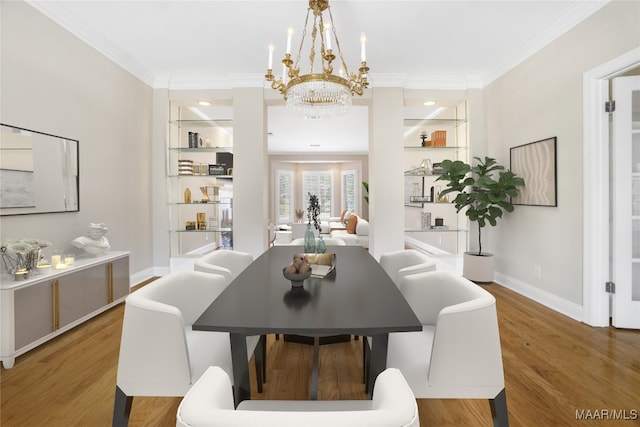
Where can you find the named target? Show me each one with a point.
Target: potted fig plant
(485, 190)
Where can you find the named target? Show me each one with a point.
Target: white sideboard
(44, 306)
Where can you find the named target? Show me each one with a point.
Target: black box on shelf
(225, 159)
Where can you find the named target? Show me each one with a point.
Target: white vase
(478, 268)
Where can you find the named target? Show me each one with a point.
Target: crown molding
(88, 36)
(578, 12)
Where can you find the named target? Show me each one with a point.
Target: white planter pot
(478, 268)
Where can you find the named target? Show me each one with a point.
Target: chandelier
(318, 94)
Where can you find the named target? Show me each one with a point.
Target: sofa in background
(355, 233)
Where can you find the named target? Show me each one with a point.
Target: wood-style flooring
(554, 367)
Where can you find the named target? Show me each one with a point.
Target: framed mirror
(39, 173)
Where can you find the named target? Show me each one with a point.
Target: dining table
(356, 297)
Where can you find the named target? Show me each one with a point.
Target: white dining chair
(230, 264)
(457, 354)
(210, 404)
(160, 353)
(399, 264)
(226, 262)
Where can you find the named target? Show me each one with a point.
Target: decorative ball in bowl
(297, 279)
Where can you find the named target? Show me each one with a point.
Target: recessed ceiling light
(314, 145)
(429, 102)
(205, 103)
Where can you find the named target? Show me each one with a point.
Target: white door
(626, 202)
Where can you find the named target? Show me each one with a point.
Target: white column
(250, 172)
(386, 171)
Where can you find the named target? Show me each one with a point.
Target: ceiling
(446, 44)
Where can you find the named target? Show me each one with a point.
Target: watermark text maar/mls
(607, 414)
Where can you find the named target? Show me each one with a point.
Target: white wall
(54, 83)
(542, 98)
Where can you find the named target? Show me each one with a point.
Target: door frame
(595, 171)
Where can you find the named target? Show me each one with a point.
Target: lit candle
(327, 35)
(284, 73)
(55, 260)
(270, 56)
(69, 259)
(363, 52)
(289, 34)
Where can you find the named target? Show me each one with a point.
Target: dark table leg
(241, 384)
(378, 360)
(314, 369)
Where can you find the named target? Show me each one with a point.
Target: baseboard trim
(538, 295)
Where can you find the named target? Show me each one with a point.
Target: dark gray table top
(358, 298)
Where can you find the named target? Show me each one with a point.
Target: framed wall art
(536, 163)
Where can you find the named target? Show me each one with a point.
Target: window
(284, 194)
(350, 190)
(320, 184)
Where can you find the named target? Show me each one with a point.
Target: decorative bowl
(297, 279)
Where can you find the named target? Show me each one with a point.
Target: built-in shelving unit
(199, 182)
(432, 135)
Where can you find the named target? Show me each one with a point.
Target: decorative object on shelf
(486, 191)
(536, 163)
(190, 225)
(439, 222)
(426, 167)
(321, 246)
(437, 169)
(187, 195)
(201, 220)
(21, 255)
(217, 170)
(194, 140)
(439, 138)
(185, 167)
(425, 141)
(426, 220)
(95, 243)
(320, 94)
(298, 271)
(299, 215)
(410, 197)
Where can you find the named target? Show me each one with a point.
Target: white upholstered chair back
(458, 353)
(210, 403)
(228, 263)
(399, 264)
(160, 353)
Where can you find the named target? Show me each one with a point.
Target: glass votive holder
(69, 259)
(43, 268)
(56, 259)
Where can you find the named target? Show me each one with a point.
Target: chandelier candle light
(318, 94)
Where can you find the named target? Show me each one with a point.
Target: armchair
(160, 355)
(399, 264)
(224, 262)
(210, 403)
(458, 353)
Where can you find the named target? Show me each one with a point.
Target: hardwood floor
(553, 366)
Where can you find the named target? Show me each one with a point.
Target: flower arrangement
(21, 254)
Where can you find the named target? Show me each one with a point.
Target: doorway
(596, 173)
